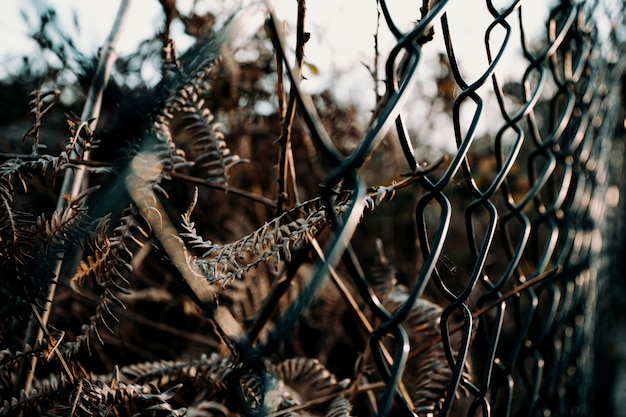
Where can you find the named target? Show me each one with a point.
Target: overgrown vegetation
(175, 230)
(214, 241)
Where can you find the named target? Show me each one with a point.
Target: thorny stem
(424, 10)
(226, 188)
(74, 179)
(286, 172)
(174, 174)
(376, 55)
(280, 83)
(308, 111)
(374, 69)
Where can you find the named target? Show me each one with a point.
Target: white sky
(341, 36)
(347, 26)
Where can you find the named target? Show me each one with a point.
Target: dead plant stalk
(74, 180)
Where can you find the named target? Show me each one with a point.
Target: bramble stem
(286, 169)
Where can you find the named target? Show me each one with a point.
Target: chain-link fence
(491, 285)
(529, 221)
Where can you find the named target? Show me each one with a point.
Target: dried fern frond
(90, 397)
(45, 394)
(212, 154)
(379, 194)
(9, 367)
(206, 374)
(14, 173)
(307, 377)
(307, 380)
(19, 171)
(290, 383)
(81, 136)
(273, 240)
(207, 371)
(189, 93)
(171, 70)
(100, 398)
(429, 372)
(25, 282)
(162, 155)
(66, 226)
(110, 262)
(383, 273)
(10, 364)
(157, 404)
(39, 104)
(171, 157)
(16, 242)
(112, 255)
(339, 407)
(7, 357)
(262, 393)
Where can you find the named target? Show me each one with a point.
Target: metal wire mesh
(518, 229)
(518, 322)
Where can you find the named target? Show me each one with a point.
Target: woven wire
(540, 239)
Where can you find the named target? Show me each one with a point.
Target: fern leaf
(103, 398)
(170, 156)
(213, 156)
(15, 241)
(171, 70)
(207, 371)
(18, 171)
(66, 226)
(110, 263)
(12, 171)
(25, 282)
(307, 379)
(152, 165)
(40, 104)
(431, 371)
(157, 403)
(81, 136)
(44, 395)
(273, 240)
(7, 358)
